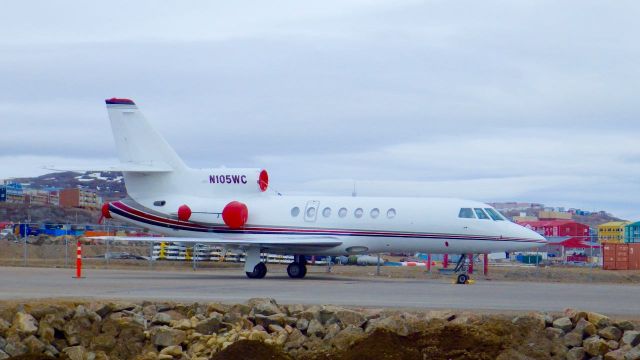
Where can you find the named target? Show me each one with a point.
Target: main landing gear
(298, 268)
(462, 269)
(254, 268)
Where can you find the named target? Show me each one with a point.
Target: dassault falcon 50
(232, 208)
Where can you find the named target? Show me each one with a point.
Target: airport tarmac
(317, 288)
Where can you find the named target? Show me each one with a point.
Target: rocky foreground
(263, 329)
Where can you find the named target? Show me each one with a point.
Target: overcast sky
(488, 100)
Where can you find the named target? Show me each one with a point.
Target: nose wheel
(259, 271)
(462, 269)
(298, 268)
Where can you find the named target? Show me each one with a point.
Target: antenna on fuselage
(354, 193)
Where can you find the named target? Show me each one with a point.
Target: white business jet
(232, 208)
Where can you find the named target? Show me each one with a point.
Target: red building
(557, 228)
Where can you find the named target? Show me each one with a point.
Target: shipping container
(620, 256)
(634, 256)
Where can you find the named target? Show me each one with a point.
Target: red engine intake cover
(105, 211)
(235, 214)
(184, 213)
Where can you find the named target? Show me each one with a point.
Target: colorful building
(80, 198)
(557, 228)
(612, 231)
(632, 232)
(12, 193)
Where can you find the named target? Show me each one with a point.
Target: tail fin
(137, 142)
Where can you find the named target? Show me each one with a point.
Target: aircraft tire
(462, 279)
(259, 271)
(296, 270)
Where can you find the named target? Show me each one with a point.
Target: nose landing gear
(462, 269)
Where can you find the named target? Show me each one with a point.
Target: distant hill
(593, 219)
(109, 185)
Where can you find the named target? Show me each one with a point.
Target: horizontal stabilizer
(280, 243)
(156, 167)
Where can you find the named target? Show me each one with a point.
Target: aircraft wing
(284, 242)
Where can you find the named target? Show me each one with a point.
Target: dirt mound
(32, 357)
(482, 341)
(251, 349)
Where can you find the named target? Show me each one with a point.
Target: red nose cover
(184, 213)
(235, 214)
(105, 211)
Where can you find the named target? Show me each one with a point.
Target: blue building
(632, 232)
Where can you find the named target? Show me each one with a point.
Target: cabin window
(295, 211)
(466, 213)
(481, 214)
(358, 213)
(159, 203)
(375, 212)
(391, 213)
(311, 212)
(326, 212)
(494, 214)
(342, 212)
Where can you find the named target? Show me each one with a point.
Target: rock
(599, 320)
(75, 352)
(295, 340)
(275, 319)
(103, 342)
(182, 324)
(3, 355)
(575, 315)
(210, 325)
(615, 355)
(576, 353)
(331, 331)
(15, 348)
(294, 309)
(302, 324)
(553, 333)
(174, 351)
(398, 324)
(264, 306)
(161, 318)
(273, 328)
(348, 317)
(624, 325)
(563, 323)
(4, 326)
(595, 346)
(3, 342)
(34, 345)
(347, 337)
(631, 338)
(573, 339)
(613, 345)
(585, 328)
(610, 333)
(633, 354)
(165, 336)
(315, 328)
(25, 324)
(164, 357)
(259, 335)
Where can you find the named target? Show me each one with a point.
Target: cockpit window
(466, 213)
(494, 214)
(481, 214)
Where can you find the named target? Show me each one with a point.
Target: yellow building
(612, 231)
